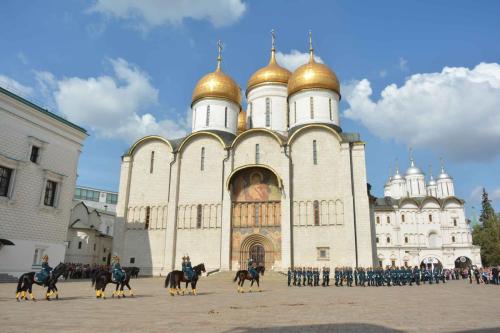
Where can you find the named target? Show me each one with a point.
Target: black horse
(132, 271)
(26, 281)
(243, 275)
(175, 278)
(101, 279)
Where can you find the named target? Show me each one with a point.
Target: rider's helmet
(45, 258)
(187, 258)
(116, 258)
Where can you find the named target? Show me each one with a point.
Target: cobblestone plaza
(456, 306)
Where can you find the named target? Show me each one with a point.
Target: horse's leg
(193, 287)
(49, 292)
(56, 291)
(258, 285)
(30, 290)
(130, 289)
(121, 289)
(115, 292)
(251, 284)
(242, 283)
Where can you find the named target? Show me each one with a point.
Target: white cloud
(454, 112)
(151, 13)
(15, 87)
(477, 194)
(294, 59)
(114, 106)
(382, 73)
(403, 64)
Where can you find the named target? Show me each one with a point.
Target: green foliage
(487, 233)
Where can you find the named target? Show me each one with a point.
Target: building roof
(389, 202)
(42, 110)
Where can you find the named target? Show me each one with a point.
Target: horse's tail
(236, 277)
(20, 283)
(167, 280)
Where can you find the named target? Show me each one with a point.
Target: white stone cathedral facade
(421, 223)
(281, 182)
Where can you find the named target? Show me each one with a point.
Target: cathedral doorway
(255, 217)
(463, 262)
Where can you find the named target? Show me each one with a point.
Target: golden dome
(272, 73)
(313, 75)
(218, 85)
(242, 122)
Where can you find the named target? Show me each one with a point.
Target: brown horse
(175, 278)
(245, 275)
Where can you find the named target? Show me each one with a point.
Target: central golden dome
(272, 73)
(217, 85)
(313, 75)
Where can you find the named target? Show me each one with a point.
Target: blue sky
(123, 69)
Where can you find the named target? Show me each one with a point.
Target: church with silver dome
(279, 182)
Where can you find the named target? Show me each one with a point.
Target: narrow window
(388, 240)
(50, 193)
(107, 233)
(330, 108)
(207, 120)
(35, 257)
(202, 163)
(34, 154)
(378, 219)
(393, 263)
(454, 222)
(311, 106)
(257, 153)
(5, 174)
(315, 153)
(380, 263)
(453, 239)
(430, 218)
(406, 240)
(251, 115)
(148, 215)
(151, 163)
(95, 246)
(132, 260)
(294, 112)
(376, 239)
(225, 117)
(79, 245)
(402, 217)
(316, 212)
(388, 219)
(199, 211)
(268, 112)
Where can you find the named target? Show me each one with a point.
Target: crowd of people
(390, 276)
(84, 271)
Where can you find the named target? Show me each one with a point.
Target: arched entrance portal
(463, 262)
(431, 263)
(255, 217)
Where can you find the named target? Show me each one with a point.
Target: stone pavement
(453, 307)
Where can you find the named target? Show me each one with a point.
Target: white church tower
(313, 94)
(415, 180)
(445, 187)
(267, 95)
(216, 101)
(431, 185)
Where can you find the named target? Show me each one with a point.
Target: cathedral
(279, 182)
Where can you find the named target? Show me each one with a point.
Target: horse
(243, 275)
(26, 281)
(133, 271)
(101, 278)
(176, 277)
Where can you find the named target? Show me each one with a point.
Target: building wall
(24, 219)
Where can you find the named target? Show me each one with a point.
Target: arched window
(406, 239)
(202, 159)
(316, 212)
(378, 219)
(388, 240)
(402, 218)
(148, 216)
(311, 106)
(268, 112)
(207, 120)
(454, 222)
(330, 108)
(453, 239)
(388, 219)
(257, 153)
(199, 212)
(225, 117)
(315, 153)
(151, 162)
(433, 240)
(430, 217)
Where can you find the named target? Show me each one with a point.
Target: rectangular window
(111, 198)
(225, 117)
(453, 239)
(148, 215)
(330, 108)
(268, 112)
(323, 252)
(107, 233)
(199, 215)
(378, 219)
(380, 263)
(311, 106)
(95, 246)
(79, 245)
(5, 174)
(35, 257)
(202, 158)
(132, 260)
(403, 218)
(35, 151)
(406, 240)
(388, 219)
(430, 218)
(152, 161)
(50, 193)
(376, 239)
(316, 212)
(257, 153)
(315, 153)
(207, 120)
(77, 193)
(393, 263)
(251, 116)
(388, 240)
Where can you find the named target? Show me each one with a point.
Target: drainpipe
(290, 196)
(353, 204)
(176, 203)
(222, 207)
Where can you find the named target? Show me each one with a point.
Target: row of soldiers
(376, 277)
(308, 276)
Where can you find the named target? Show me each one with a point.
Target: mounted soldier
(252, 268)
(44, 273)
(187, 268)
(117, 271)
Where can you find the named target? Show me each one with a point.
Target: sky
(421, 74)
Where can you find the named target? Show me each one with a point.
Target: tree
(487, 233)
